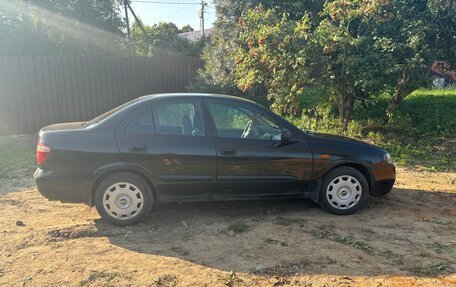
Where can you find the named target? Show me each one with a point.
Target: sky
(180, 14)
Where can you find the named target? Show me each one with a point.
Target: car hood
(340, 139)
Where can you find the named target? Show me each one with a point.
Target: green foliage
(432, 111)
(162, 38)
(421, 133)
(271, 55)
(219, 53)
(368, 55)
(43, 27)
(18, 156)
(432, 269)
(238, 227)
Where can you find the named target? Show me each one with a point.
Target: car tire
(344, 190)
(123, 198)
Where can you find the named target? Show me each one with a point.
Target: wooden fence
(35, 92)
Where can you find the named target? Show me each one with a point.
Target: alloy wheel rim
(123, 200)
(344, 192)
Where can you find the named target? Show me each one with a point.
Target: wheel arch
(110, 169)
(356, 165)
(361, 168)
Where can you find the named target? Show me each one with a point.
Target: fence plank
(39, 91)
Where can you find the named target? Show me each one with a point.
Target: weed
(324, 231)
(166, 280)
(438, 247)
(286, 221)
(180, 251)
(10, 202)
(423, 254)
(232, 279)
(432, 269)
(358, 244)
(2, 272)
(438, 221)
(275, 241)
(98, 275)
(54, 245)
(238, 227)
(367, 231)
(18, 156)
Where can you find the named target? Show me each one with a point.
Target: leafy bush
(432, 111)
(422, 131)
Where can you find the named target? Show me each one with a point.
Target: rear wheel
(344, 190)
(123, 198)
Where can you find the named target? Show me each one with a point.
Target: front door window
(244, 123)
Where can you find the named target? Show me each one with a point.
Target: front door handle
(228, 151)
(142, 148)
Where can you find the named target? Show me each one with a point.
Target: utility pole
(140, 25)
(126, 18)
(203, 4)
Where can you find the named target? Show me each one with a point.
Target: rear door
(170, 140)
(249, 159)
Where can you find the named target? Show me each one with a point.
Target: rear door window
(179, 118)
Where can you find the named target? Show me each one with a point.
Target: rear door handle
(228, 151)
(141, 148)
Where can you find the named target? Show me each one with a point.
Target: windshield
(109, 113)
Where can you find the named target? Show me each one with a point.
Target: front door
(249, 159)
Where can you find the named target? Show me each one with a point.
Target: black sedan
(200, 147)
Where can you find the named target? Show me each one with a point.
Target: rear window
(109, 113)
(142, 123)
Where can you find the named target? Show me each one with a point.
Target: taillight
(42, 152)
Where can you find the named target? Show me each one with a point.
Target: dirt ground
(407, 238)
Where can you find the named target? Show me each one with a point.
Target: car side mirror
(286, 137)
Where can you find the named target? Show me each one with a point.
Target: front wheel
(123, 198)
(344, 190)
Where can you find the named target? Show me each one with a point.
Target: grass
(356, 243)
(438, 221)
(276, 242)
(231, 279)
(328, 233)
(422, 132)
(98, 275)
(287, 221)
(324, 231)
(179, 251)
(238, 228)
(432, 269)
(433, 153)
(17, 155)
(439, 247)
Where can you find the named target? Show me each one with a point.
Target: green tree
(163, 38)
(411, 36)
(272, 54)
(186, 28)
(285, 54)
(219, 53)
(43, 27)
(342, 57)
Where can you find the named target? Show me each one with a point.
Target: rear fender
(114, 167)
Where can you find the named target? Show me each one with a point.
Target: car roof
(203, 95)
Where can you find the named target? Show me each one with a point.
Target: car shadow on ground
(406, 232)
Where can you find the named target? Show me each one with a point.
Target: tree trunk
(402, 90)
(345, 104)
